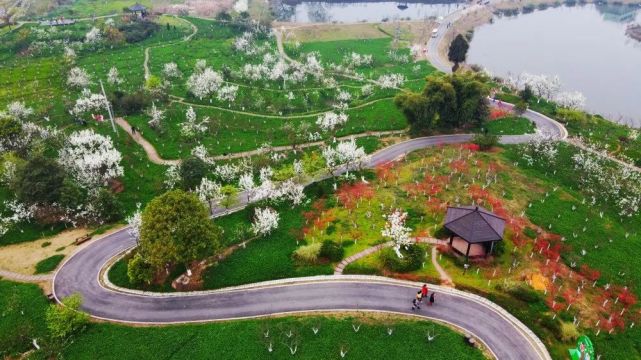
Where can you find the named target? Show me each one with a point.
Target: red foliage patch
(497, 113)
(471, 147)
(348, 194)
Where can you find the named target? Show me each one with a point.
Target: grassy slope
(510, 126)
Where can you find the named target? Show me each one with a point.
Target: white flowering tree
(541, 148)
(94, 35)
(396, 230)
(571, 99)
(391, 81)
(89, 102)
(346, 152)
(192, 127)
(246, 184)
(113, 76)
(265, 220)
(17, 110)
(69, 54)
(18, 212)
(171, 71)
(227, 93)
(78, 78)
(330, 121)
(205, 83)
(91, 158)
(135, 223)
(208, 192)
(172, 176)
(157, 116)
(291, 191)
(200, 151)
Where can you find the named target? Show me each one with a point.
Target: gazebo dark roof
(137, 7)
(474, 224)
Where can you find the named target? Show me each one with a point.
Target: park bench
(82, 239)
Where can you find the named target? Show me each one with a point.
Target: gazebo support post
(492, 247)
(451, 239)
(467, 253)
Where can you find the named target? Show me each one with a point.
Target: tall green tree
(39, 181)
(458, 50)
(176, 228)
(192, 171)
(446, 102)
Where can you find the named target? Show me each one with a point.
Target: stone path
(25, 278)
(152, 154)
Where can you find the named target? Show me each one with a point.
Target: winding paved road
(505, 336)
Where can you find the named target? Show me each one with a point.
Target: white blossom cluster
(200, 151)
(192, 127)
(396, 230)
(608, 182)
(208, 191)
(541, 148)
(204, 83)
(18, 213)
(170, 70)
(398, 58)
(390, 81)
(265, 220)
(17, 110)
(246, 44)
(571, 100)
(172, 176)
(227, 93)
(135, 223)
(367, 90)
(331, 120)
(89, 101)
(113, 76)
(157, 117)
(226, 172)
(78, 78)
(90, 158)
(93, 36)
(346, 152)
(358, 60)
(69, 54)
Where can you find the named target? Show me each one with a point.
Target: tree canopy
(446, 102)
(176, 228)
(40, 181)
(458, 49)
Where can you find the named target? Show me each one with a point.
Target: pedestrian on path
(133, 130)
(424, 291)
(432, 298)
(416, 303)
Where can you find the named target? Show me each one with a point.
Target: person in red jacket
(424, 291)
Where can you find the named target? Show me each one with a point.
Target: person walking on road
(416, 303)
(424, 291)
(432, 298)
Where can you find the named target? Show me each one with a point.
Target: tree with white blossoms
(200, 151)
(246, 184)
(78, 78)
(292, 191)
(113, 77)
(172, 176)
(390, 81)
(208, 192)
(346, 152)
(571, 99)
(157, 117)
(367, 90)
(192, 127)
(19, 213)
(544, 86)
(265, 220)
(205, 83)
(89, 101)
(69, 55)
(170, 70)
(396, 230)
(135, 223)
(541, 148)
(90, 158)
(330, 121)
(227, 93)
(93, 36)
(17, 110)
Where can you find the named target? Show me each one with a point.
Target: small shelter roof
(137, 7)
(474, 224)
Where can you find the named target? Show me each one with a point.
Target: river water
(585, 46)
(352, 12)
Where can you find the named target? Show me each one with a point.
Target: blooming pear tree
(396, 230)
(265, 220)
(205, 83)
(157, 117)
(113, 76)
(192, 127)
(171, 71)
(91, 159)
(330, 121)
(17, 110)
(390, 81)
(346, 152)
(209, 191)
(135, 223)
(78, 78)
(94, 35)
(571, 99)
(89, 101)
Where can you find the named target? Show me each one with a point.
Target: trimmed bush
(413, 258)
(308, 254)
(331, 251)
(49, 264)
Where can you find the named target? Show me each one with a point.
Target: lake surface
(585, 46)
(352, 12)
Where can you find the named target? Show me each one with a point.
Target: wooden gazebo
(138, 9)
(473, 230)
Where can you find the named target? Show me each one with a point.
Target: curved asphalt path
(502, 334)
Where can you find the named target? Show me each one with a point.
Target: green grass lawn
(23, 308)
(49, 264)
(511, 125)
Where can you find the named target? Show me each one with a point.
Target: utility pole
(111, 117)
